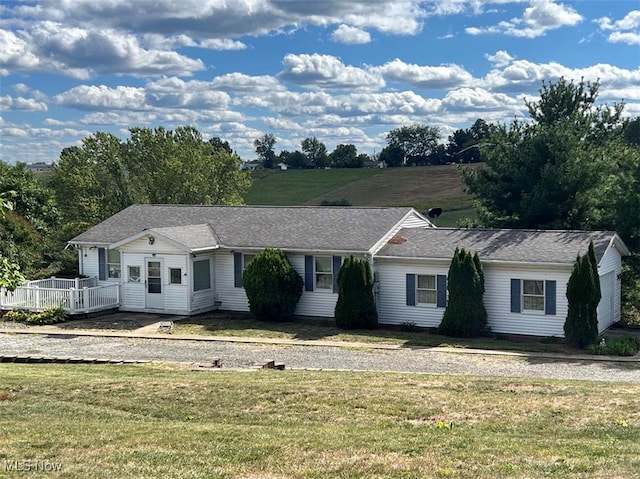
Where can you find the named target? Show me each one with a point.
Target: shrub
(273, 287)
(16, 316)
(583, 295)
(624, 346)
(465, 315)
(48, 316)
(356, 307)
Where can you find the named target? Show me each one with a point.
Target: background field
(166, 421)
(421, 187)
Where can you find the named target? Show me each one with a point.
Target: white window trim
(316, 273)
(170, 271)
(139, 280)
(522, 296)
(435, 290)
(117, 265)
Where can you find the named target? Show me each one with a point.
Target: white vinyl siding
(497, 300)
(609, 269)
(90, 260)
(392, 294)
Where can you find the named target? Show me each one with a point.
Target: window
(113, 263)
(175, 276)
(246, 259)
(134, 274)
(426, 291)
(323, 272)
(533, 295)
(201, 275)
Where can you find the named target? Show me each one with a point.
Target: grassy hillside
(421, 187)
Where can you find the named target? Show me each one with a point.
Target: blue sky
(345, 71)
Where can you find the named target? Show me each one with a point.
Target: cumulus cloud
(79, 52)
(626, 30)
(21, 103)
(540, 17)
(328, 72)
(92, 97)
(500, 58)
(350, 35)
(239, 82)
(435, 77)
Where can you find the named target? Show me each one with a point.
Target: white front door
(154, 297)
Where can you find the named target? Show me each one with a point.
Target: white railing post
(85, 299)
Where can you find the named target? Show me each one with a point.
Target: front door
(154, 296)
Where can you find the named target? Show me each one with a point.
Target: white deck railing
(34, 297)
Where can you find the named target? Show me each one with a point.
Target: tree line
(574, 165)
(413, 145)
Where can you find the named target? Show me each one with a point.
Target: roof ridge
(147, 205)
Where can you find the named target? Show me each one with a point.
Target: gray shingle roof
(307, 228)
(522, 246)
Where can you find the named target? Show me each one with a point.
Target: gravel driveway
(237, 355)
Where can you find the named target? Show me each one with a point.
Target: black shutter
(550, 297)
(411, 289)
(337, 262)
(237, 270)
(515, 296)
(102, 264)
(441, 291)
(308, 273)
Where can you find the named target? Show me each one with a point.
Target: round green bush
(273, 287)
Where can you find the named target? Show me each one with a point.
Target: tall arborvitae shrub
(583, 295)
(356, 308)
(273, 287)
(465, 315)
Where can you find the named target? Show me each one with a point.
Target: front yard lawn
(224, 324)
(160, 421)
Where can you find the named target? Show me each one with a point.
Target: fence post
(77, 281)
(85, 299)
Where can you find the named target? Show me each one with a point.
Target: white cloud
(537, 19)
(79, 52)
(85, 97)
(239, 82)
(479, 99)
(626, 30)
(327, 71)
(222, 44)
(501, 58)
(436, 77)
(350, 35)
(21, 103)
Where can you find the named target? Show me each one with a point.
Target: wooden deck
(75, 296)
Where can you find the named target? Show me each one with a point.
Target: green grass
(421, 187)
(168, 422)
(222, 324)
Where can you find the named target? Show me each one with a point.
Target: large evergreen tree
(583, 295)
(465, 315)
(355, 308)
(566, 168)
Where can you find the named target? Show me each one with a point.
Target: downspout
(376, 283)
